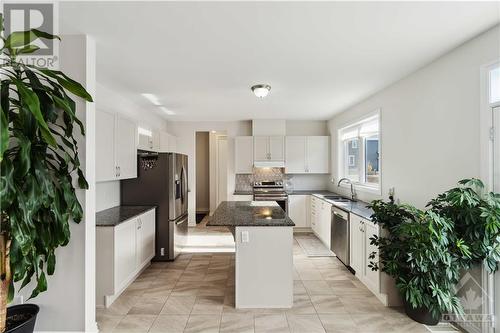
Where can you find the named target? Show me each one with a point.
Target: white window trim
(363, 187)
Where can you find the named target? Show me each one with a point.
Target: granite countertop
(243, 193)
(356, 207)
(308, 192)
(250, 213)
(113, 216)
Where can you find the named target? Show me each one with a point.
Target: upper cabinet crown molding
(116, 147)
(307, 154)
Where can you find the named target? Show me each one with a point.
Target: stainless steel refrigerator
(162, 181)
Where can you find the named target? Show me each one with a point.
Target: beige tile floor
(195, 293)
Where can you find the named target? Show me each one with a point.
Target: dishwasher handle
(340, 213)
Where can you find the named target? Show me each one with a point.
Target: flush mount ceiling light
(261, 90)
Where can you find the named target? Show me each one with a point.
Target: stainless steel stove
(271, 191)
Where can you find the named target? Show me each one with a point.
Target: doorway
(202, 175)
(211, 159)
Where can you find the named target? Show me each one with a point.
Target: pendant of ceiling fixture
(261, 90)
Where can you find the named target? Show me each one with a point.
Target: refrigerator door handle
(183, 184)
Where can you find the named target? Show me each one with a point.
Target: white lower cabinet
(298, 210)
(122, 252)
(361, 230)
(145, 237)
(321, 216)
(325, 223)
(314, 214)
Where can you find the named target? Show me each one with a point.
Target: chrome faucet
(347, 180)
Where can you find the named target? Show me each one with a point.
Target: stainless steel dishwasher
(340, 235)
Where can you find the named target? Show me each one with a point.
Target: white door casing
(221, 167)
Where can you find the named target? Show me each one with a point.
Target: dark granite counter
(356, 207)
(250, 213)
(309, 192)
(113, 216)
(243, 193)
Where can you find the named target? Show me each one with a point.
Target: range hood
(269, 164)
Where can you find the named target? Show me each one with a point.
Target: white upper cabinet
(146, 140)
(261, 148)
(317, 154)
(243, 157)
(277, 148)
(295, 154)
(269, 148)
(168, 143)
(116, 155)
(307, 154)
(126, 152)
(105, 146)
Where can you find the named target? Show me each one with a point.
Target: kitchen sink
(336, 198)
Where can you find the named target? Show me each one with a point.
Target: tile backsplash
(244, 182)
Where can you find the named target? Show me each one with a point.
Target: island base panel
(264, 267)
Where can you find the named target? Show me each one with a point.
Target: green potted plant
(426, 251)
(416, 253)
(38, 159)
(476, 216)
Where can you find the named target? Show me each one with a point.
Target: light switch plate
(245, 237)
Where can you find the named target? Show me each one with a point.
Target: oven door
(281, 201)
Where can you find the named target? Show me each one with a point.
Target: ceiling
(200, 58)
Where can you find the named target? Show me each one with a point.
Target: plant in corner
(38, 158)
(476, 216)
(425, 251)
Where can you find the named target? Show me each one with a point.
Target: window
(359, 152)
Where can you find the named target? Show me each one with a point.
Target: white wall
(69, 302)
(306, 127)
(185, 131)
(108, 193)
(109, 100)
(202, 172)
(429, 123)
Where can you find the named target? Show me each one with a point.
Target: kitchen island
(263, 234)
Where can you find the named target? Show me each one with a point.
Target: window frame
(342, 154)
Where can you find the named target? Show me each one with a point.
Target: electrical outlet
(162, 251)
(245, 237)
